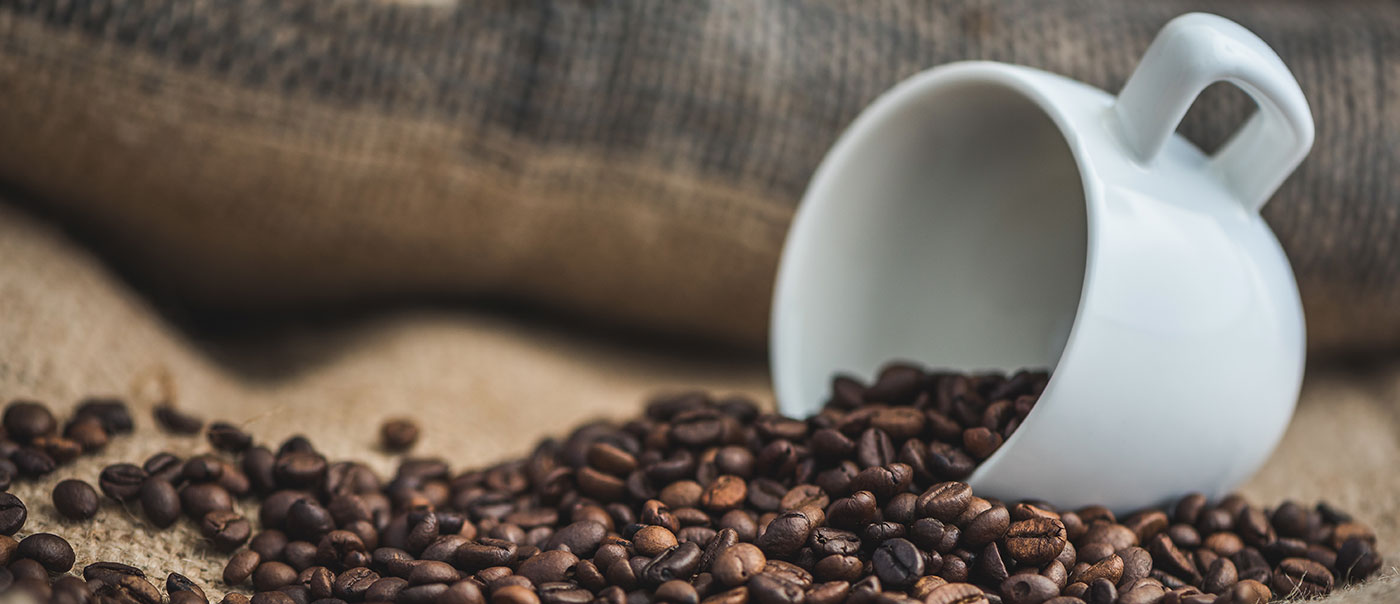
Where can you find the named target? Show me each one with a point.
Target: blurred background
(510, 216)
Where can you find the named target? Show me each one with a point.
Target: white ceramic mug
(989, 216)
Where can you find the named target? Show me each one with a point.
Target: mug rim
(1011, 78)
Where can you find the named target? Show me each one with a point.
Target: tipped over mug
(981, 215)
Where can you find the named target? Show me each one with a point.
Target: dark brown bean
(75, 499)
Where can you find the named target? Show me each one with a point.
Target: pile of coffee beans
(697, 500)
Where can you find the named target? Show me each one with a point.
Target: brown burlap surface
(632, 160)
(485, 388)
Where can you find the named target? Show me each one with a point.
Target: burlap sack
(635, 161)
(485, 388)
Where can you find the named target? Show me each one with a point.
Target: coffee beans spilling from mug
(698, 500)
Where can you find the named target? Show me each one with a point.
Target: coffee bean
(785, 535)
(726, 492)
(1294, 578)
(13, 513)
(111, 412)
(1110, 568)
(854, 511)
(75, 499)
(1172, 560)
(514, 594)
(197, 500)
(87, 432)
(1102, 591)
(49, 550)
(874, 448)
(121, 482)
(956, 593)
(582, 538)
(548, 566)
(429, 571)
(129, 588)
(176, 583)
(225, 529)
(883, 481)
(271, 575)
(25, 421)
(174, 421)
(241, 566)
(109, 572)
(768, 589)
(898, 563)
(1246, 592)
(737, 564)
(678, 562)
(987, 526)
(352, 584)
(1028, 589)
(32, 462)
(398, 434)
(1036, 540)
(676, 591)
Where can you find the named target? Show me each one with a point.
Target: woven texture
(485, 389)
(634, 161)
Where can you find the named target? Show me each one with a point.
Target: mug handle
(1194, 51)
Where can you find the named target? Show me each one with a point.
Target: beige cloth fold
(485, 388)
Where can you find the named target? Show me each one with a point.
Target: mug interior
(948, 227)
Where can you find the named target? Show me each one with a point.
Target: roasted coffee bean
(176, 582)
(514, 594)
(122, 481)
(1110, 568)
(160, 501)
(32, 462)
(987, 526)
(828, 541)
(129, 588)
(1172, 560)
(225, 529)
(75, 499)
(430, 571)
(1294, 577)
(956, 593)
(197, 500)
(1219, 576)
(1246, 592)
(883, 481)
(87, 432)
(109, 572)
(271, 575)
(548, 566)
(241, 566)
(769, 589)
(176, 422)
(202, 469)
(874, 448)
(398, 434)
(1036, 540)
(678, 562)
(898, 563)
(853, 512)
(737, 564)
(111, 412)
(352, 584)
(49, 550)
(13, 513)
(838, 567)
(785, 535)
(1028, 589)
(25, 421)
(1357, 559)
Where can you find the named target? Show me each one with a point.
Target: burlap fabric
(636, 161)
(486, 388)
